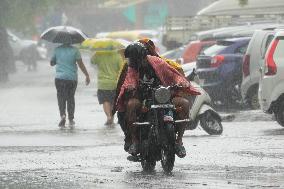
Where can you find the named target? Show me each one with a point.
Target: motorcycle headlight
(162, 95)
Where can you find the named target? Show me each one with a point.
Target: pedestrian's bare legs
(133, 108)
(108, 111)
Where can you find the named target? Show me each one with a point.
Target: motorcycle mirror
(192, 76)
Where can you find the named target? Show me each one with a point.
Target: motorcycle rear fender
(205, 108)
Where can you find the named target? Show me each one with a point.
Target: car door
(265, 44)
(239, 54)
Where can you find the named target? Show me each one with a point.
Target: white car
(24, 49)
(175, 54)
(253, 58)
(271, 84)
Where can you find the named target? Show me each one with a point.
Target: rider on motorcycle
(150, 46)
(145, 65)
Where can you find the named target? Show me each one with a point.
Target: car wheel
(279, 114)
(253, 101)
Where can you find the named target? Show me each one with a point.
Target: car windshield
(174, 54)
(215, 49)
(204, 48)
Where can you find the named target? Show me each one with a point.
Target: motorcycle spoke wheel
(148, 166)
(168, 159)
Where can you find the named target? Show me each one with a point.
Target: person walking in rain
(66, 58)
(109, 64)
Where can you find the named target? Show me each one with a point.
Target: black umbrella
(63, 34)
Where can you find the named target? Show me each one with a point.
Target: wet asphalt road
(34, 153)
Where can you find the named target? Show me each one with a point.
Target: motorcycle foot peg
(133, 158)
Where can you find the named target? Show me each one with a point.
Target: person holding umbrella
(109, 63)
(66, 58)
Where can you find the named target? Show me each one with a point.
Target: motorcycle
(202, 110)
(156, 128)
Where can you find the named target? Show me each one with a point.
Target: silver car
(253, 58)
(271, 85)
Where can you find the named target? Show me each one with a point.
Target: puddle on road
(120, 177)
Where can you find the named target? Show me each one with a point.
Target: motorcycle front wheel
(168, 158)
(148, 166)
(211, 124)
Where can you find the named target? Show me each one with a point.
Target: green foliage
(20, 14)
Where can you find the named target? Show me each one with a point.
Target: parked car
(26, 51)
(271, 84)
(188, 54)
(253, 58)
(175, 54)
(133, 35)
(20, 46)
(220, 69)
(195, 48)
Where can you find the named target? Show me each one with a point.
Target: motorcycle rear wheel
(211, 124)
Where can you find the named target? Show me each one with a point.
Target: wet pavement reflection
(35, 153)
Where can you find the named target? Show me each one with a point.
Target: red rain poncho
(167, 75)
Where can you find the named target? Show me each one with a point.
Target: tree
(21, 14)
